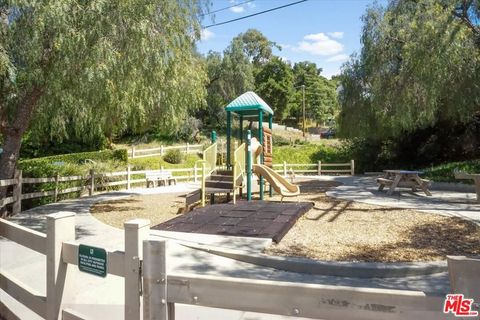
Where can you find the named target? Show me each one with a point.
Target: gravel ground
(334, 229)
(350, 231)
(157, 208)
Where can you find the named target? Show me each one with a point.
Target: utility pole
(303, 92)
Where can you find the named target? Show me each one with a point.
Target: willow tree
(419, 65)
(88, 68)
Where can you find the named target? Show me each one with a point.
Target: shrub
(156, 162)
(310, 153)
(445, 172)
(280, 141)
(119, 155)
(173, 156)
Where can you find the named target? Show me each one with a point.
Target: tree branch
(464, 17)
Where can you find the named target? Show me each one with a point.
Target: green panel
(92, 260)
(248, 105)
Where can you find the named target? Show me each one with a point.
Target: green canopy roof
(248, 105)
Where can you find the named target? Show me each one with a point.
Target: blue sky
(326, 32)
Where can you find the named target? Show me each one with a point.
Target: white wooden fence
(94, 181)
(90, 184)
(143, 262)
(316, 168)
(161, 150)
(60, 249)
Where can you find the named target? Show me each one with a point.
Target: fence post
(17, 192)
(352, 167)
(136, 231)
(129, 168)
(319, 168)
(55, 196)
(284, 168)
(161, 168)
(155, 305)
(161, 150)
(133, 151)
(92, 182)
(60, 228)
(187, 148)
(195, 173)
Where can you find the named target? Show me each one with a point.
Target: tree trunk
(12, 132)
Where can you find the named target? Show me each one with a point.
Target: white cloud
(285, 59)
(320, 44)
(206, 34)
(338, 58)
(237, 9)
(336, 34)
(316, 37)
(286, 46)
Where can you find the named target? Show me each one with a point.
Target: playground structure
(245, 156)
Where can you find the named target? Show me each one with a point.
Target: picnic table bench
(159, 177)
(467, 176)
(403, 178)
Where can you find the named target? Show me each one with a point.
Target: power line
(222, 9)
(254, 14)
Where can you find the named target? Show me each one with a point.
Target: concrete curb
(457, 187)
(329, 268)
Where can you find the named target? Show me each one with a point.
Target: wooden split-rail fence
(187, 148)
(142, 264)
(121, 180)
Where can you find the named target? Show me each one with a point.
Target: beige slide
(278, 183)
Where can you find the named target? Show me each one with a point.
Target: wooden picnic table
(403, 178)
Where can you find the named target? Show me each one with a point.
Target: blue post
(229, 134)
(270, 126)
(249, 165)
(213, 136)
(241, 129)
(260, 140)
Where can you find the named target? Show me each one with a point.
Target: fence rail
(287, 168)
(100, 181)
(142, 264)
(161, 150)
(60, 249)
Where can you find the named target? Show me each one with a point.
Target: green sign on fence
(92, 260)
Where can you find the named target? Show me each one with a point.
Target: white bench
(160, 177)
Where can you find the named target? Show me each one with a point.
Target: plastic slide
(278, 183)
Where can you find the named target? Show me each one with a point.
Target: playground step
(220, 177)
(224, 172)
(217, 190)
(218, 184)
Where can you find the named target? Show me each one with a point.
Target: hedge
(445, 172)
(119, 155)
(310, 153)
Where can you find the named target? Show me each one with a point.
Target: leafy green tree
(237, 71)
(419, 66)
(256, 46)
(89, 68)
(229, 76)
(274, 83)
(320, 93)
